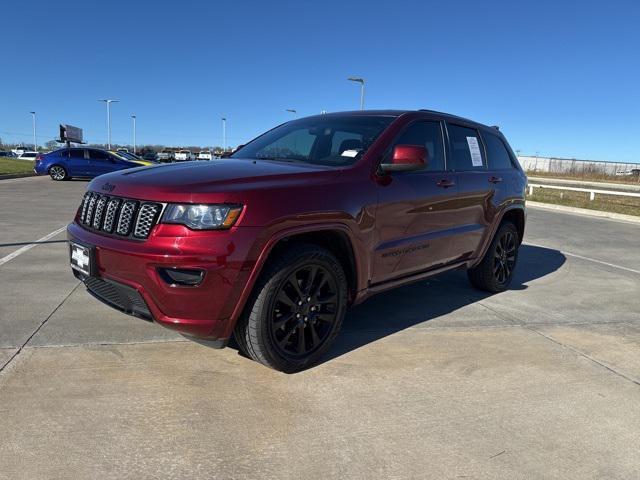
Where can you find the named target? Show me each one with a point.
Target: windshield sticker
(474, 149)
(350, 153)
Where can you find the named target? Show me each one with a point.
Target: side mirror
(406, 158)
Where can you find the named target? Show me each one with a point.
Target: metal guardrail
(591, 191)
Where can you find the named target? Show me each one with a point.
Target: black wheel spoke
(282, 320)
(284, 298)
(293, 281)
(284, 340)
(301, 339)
(304, 311)
(315, 339)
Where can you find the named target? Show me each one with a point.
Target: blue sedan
(66, 163)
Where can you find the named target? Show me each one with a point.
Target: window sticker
(474, 149)
(350, 153)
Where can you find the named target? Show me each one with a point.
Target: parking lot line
(28, 247)
(589, 259)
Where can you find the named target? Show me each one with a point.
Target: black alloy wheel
(296, 308)
(495, 271)
(304, 311)
(504, 257)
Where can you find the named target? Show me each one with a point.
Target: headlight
(202, 217)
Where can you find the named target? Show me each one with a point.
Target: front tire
(495, 272)
(296, 309)
(58, 173)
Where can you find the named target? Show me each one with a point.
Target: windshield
(324, 140)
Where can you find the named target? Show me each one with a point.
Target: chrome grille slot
(125, 220)
(97, 215)
(85, 204)
(147, 217)
(90, 208)
(110, 215)
(133, 219)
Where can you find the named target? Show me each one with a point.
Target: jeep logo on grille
(108, 187)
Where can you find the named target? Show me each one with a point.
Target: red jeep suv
(272, 244)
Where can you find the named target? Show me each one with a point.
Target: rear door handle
(495, 179)
(445, 183)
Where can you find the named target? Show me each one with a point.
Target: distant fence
(567, 166)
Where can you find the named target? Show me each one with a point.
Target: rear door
(505, 177)
(414, 218)
(474, 210)
(77, 163)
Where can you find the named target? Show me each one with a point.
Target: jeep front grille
(119, 216)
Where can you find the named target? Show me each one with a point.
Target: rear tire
(296, 309)
(495, 272)
(58, 173)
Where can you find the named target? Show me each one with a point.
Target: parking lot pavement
(433, 380)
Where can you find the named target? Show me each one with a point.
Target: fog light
(183, 277)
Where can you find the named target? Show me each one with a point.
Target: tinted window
(466, 149)
(98, 155)
(77, 153)
(335, 140)
(349, 142)
(428, 135)
(496, 151)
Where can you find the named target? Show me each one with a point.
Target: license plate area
(81, 258)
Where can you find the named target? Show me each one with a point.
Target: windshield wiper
(277, 159)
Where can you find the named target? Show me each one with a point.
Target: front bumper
(127, 276)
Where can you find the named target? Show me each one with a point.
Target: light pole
(134, 133)
(292, 110)
(35, 141)
(224, 134)
(108, 101)
(361, 82)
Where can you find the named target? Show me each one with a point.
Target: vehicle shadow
(421, 302)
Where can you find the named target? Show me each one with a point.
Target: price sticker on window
(474, 150)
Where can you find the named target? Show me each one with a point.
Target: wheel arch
(337, 238)
(517, 216)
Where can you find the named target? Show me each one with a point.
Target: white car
(183, 155)
(27, 155)
(204, 155)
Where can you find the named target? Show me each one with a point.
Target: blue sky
(560, 77)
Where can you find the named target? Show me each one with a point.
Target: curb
(16, 175)
(584, 211)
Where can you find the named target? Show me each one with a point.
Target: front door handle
(445, 183)
(495, 179)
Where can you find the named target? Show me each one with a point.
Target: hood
(197, 181)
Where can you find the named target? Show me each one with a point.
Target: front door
(414, 218)
(100, 162)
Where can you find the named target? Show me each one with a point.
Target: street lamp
(108, 101)
(361, 82)
(224, 134)
(134, 133)
(35, 142)
(292, 110)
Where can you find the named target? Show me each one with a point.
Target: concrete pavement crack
(6, 364)
(584, 355)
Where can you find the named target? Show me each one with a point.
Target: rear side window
(428, 135)
(496, 151)
(76, 153)
(466, 149)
